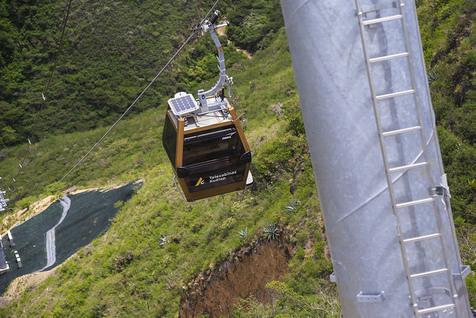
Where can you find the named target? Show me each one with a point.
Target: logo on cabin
(215, 178)
(223, 176)
(200, 182)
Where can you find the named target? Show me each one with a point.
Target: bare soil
(244, 274)
(248, 55)
(21, 284)
(21, 216)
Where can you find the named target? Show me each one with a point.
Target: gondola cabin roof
(201, 122)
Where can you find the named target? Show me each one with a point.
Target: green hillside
(111, 50)
(127, 273)
(449, 40)
(206, 231)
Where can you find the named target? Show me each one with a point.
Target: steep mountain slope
(201, 234)
(127, 273)
(110, 50)
(109, 47)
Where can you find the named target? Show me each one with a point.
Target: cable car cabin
(204, 139)
(209, 152)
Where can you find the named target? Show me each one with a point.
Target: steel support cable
(61, 42)
(180, 49)
(67, 14)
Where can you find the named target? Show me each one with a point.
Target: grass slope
(104, 280)
(449, 40)
(127, 274)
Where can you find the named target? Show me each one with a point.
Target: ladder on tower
(405, 242)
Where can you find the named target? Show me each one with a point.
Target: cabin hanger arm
(223, 80)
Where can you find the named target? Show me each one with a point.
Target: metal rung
(413, 203)
(400, 131)
(397, 94)
(381, 20)
(408, 167)
(436, 271)
(435, 309)
(422, 238)
(388, 57)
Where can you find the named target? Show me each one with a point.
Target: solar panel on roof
(183, 104)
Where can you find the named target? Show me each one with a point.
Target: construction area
(49, 238)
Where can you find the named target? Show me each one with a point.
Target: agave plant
(243, 234)
(292, 206)
(164, 239)
(271, 232)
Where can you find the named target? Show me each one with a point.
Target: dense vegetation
(113, 48)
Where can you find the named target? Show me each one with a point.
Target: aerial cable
(67, 14)
(131, 106)
(61, 42)
(174, 56)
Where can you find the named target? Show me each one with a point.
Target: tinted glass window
(169, 139)
(215, 144)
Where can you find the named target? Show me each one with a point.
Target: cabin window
(169, 139)
(212, 145)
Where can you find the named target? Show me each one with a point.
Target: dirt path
(223, 31)
(246, 53)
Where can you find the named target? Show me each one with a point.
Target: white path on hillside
(51, 235)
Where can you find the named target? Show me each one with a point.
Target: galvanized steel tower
(371, 131)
